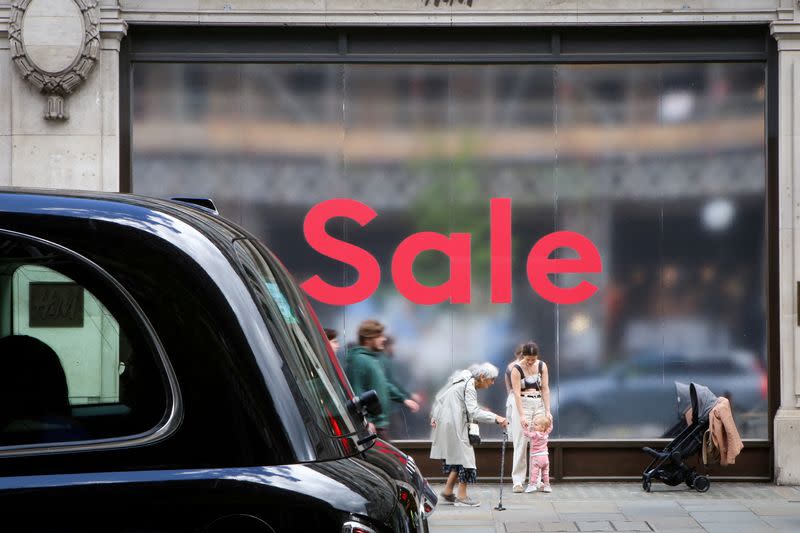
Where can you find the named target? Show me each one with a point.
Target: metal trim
(125, 117)
(773, 247)
(416, 44)
(349, 527)
(419, 59)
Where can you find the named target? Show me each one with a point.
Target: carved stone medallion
(55, 44)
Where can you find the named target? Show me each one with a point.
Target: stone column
(787, 420)
(6, 71)
(81, 152)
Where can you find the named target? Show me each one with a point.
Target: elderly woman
(455, 405)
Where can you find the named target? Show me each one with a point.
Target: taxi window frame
(173, 412)
(274, 264)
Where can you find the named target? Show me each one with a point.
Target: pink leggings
(540, 463)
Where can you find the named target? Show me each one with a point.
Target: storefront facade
(663, 138)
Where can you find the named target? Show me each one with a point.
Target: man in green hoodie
(366, 370)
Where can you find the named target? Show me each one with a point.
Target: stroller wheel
(701, 483)
(646, 484)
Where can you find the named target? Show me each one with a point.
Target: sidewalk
(584, 506)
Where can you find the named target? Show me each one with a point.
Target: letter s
(369, 272)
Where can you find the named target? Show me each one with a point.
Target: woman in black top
(531, 390)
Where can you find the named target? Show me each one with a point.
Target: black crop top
(526, 383)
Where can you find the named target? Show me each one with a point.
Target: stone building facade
(63, 129)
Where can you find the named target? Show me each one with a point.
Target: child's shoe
(547, 488)
(530, 488)
(518, 488)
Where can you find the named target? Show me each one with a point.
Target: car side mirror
(366, 403)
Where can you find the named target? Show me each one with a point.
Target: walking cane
(502, 469)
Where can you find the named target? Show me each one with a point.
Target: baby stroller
(668, 465)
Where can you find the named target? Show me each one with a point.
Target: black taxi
(161, 371)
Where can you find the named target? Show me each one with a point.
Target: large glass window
(661, 166)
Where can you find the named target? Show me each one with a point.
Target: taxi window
(74, 365)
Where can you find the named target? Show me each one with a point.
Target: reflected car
(161, 371)
(636, 397)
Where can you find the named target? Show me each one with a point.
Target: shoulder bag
(473, 431)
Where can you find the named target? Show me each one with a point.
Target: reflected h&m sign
(457, 248)
(55, 305)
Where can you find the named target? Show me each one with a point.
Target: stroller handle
(651, 451)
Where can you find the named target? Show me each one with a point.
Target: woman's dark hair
(518, 351)
(331, 333)
(530, 348)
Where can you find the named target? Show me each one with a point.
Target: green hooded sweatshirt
(365, 370)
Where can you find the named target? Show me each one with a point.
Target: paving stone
(645, 510)
(585, 507)
(587, 517)
(787, 523)
(595, 525)
(559, 526)
(710, 517)
(776, 509)
(625, 525)
(697, 529)
(523, 513)
(714, 506)
(522, 527)
(462, 522)
(736, 528)
(460, 518)
(789, 493)
(462, 513)
(672, 523)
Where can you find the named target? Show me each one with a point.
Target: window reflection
(661, 166)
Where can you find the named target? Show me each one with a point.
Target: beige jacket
(724, 434)
(450, 439)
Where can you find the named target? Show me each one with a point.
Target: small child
(539, 460)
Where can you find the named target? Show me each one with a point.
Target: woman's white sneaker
(530, 488)
(547, 488)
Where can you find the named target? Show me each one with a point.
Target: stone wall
(79, 153)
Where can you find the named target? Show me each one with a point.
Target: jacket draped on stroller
(705, 426)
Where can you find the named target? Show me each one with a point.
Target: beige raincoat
(450, 440)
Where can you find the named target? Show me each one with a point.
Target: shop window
(661, 165)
